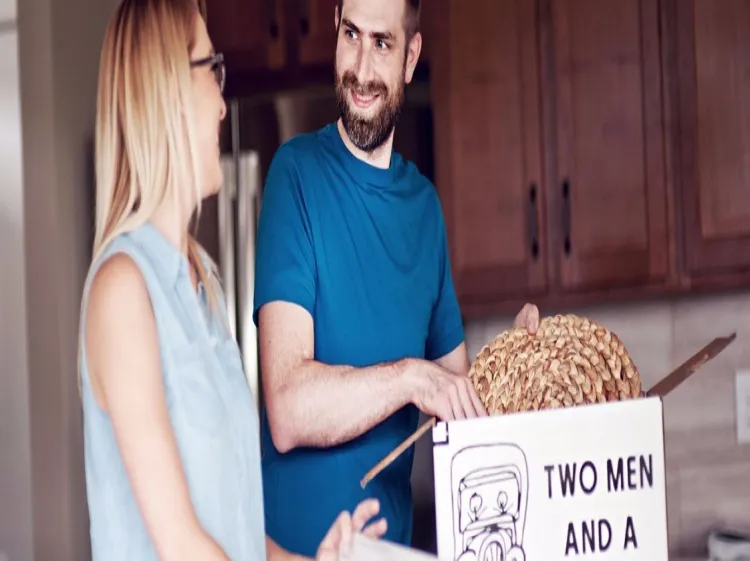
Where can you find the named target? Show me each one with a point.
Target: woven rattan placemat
(570, 360)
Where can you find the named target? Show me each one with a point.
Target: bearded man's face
(371, 70)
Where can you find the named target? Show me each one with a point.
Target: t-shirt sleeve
(284, 258)
(446, 326)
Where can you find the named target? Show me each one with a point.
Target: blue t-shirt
(364, 251)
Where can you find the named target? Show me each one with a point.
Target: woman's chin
(212, 192)
(214, 186)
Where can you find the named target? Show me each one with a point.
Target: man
(358, 321)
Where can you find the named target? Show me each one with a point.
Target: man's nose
(364, 66)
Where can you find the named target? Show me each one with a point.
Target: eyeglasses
(216, 62)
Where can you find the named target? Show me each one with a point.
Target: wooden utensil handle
(400, 449)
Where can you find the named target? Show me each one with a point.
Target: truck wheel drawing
(489, 488)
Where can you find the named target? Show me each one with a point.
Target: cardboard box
(584, 482)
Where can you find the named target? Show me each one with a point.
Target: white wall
(8, 12)
(45, 210)
(15, 452)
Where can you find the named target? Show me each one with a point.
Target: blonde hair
(146, 154)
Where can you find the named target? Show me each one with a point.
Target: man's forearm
(327, 405)
(456, 361)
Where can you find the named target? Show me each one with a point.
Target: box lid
(688, 368)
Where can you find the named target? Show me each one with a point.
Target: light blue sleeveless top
(211, 408)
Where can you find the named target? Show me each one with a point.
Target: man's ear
(412, 56)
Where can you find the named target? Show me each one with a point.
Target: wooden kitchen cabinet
(488, 141)
(608, 185)
(550, 137)
(713, 141)
(250, 33)
(317, 30)
(273, 45)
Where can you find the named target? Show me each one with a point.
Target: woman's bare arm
(123, 359)
(276, 553)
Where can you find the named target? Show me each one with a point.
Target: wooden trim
(657, 188)
(553, 200)
(441, 104)
(550, 303)
(672, 135)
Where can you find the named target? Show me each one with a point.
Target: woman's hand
(339, 538)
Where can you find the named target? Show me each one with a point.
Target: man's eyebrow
(348, 23)
(382, 35)
(379, 35)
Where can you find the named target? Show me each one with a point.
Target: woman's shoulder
(116, 281)
(119, 272)
(116, 257)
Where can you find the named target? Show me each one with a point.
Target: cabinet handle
(304, 20)
(566, 217)
(273, 25)
(533, 227)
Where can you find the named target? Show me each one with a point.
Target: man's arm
(314, 404)
(446, 343)
(457, 361)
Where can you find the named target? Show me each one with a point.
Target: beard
(368, 133)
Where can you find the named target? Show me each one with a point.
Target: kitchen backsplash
(707, 471)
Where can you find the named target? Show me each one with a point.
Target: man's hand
(528, 317)
(441, 393)
(339, 538)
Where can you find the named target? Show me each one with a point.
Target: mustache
(373, 87)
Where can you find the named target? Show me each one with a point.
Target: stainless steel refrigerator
(251, 133)
(227, 231)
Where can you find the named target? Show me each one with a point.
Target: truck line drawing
(489, 493)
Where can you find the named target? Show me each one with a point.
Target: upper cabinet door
(714, 109)
(486, 101)
(316, 30)
(250, 33)
(610, 190)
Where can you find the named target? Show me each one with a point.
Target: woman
(171, 432)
